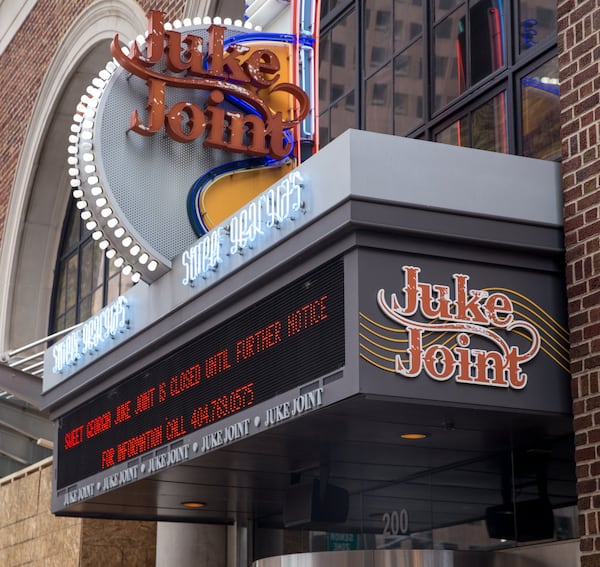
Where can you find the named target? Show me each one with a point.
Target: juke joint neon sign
(222, 71)
(230, 116)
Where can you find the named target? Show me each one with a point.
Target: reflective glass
(72, 232)
(443, 7)
(378, 33)
(343, 54)
(324, 128)
(488, 126)
(324, 71)
(71, 269)
(337, 62)
(408, 88)
(408, 21)
(343, 115)
(85, 308)
(81, 276)
(60, 295)
(467, 48)
(428, 497)
(537, 21)
(328, 6)
(486, 29)
(541, 112)
(449, 61)
(97, 300)
(97, 267)
(70, 318)
(379, 101)
(484, 128)
(457, 134)
(114, 286)
(86, 262)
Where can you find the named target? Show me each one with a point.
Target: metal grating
(152, 190)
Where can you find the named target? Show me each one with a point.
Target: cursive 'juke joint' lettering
(235, 70)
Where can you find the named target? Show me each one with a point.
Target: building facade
(579, 131)
(507, 77)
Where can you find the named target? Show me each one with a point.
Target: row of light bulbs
(92, 203)
(95, 209)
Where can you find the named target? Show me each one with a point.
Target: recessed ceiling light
(414, 436)
(193, 504)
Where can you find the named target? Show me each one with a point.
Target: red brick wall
(22, 68)
(579, 62)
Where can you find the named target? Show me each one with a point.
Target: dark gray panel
(537, 298)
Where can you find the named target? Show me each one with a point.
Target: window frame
(506, 78)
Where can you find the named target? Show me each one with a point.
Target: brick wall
(31, 535)
(22, 68)
(23, 65)
(579, 62)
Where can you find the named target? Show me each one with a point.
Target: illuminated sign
(91, 336)
(457, 315)
(230, 116)
(284, 341)
(235, 70)
(265, 213)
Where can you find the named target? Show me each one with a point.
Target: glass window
(415, 29)
(408, 89)
(338, 54)
(457, 134)
(408, 24)
(484, 128)
(541, 112)
(343, 116)
(486, 38)
(468, 47)
(424, 68)
(71, 273)
(449, 45)
(377, 35)
(537, 21)
(378, 56)
(82, 276)
(337, 80)
(488, 125)
(343, 36)
(336, 91)
(328, 6)
(324, 71)
(382, 20)
(380, 93)
(324, 137)
(379, 101)
(513, 496)
(443, 7)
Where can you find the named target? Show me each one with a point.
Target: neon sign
(89, 337)
(235, 70)
(470, 313)
(265, 213)
(229, 105)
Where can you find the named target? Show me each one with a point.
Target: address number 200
(395, 523)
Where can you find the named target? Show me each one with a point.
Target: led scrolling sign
(226, 371)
